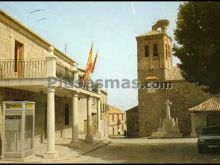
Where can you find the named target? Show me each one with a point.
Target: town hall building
(31, 69)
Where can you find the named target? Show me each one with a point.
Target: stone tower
(154, 52)
(154, 59)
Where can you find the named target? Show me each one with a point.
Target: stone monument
(168, 126)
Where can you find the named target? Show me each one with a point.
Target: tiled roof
(175, 74)
(212, 104)
(113, 109)
(153, 32)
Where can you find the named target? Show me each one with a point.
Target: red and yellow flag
(88, 67)
(93, 66)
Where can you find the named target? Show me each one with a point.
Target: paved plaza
(139, 150)
(136, 150)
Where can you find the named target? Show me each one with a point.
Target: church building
(155, 64)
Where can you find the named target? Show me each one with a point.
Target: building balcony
(37, 69)
(34, 68)
(65, 73)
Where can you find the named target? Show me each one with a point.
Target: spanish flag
(93, 66)
(88, 67)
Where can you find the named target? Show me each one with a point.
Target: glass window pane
(12, 134)
(28, 132)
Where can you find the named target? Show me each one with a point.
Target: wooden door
(19, 64)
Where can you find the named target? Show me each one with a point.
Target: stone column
(98, 131)
(50, 153)
(43, 108)
(193, 126)
(51, 73)
(75, 138)
(89, 136)
(51, 63)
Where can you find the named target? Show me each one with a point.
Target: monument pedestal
(168, 128)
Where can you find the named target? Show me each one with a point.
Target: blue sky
(111, 26)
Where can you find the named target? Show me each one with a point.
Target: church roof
(172, 75)
(153, 32)
(212, 104)
(175, 74)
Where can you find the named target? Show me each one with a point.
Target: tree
(198, 43)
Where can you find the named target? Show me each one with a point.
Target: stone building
(132, 122)
(31, 69)
(205, 114)
(116, 121)
(155, 64)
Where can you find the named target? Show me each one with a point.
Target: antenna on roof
(153, 22)
(65, 47)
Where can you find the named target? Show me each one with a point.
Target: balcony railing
(34, 68)
(64, 72)
(67, 74)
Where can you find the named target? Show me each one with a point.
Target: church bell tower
(154, 63)
(154, 55)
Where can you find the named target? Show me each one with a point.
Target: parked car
(209, 139)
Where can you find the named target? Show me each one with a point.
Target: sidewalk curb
(100, 145)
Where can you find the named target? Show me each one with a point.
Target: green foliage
(198, 37)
